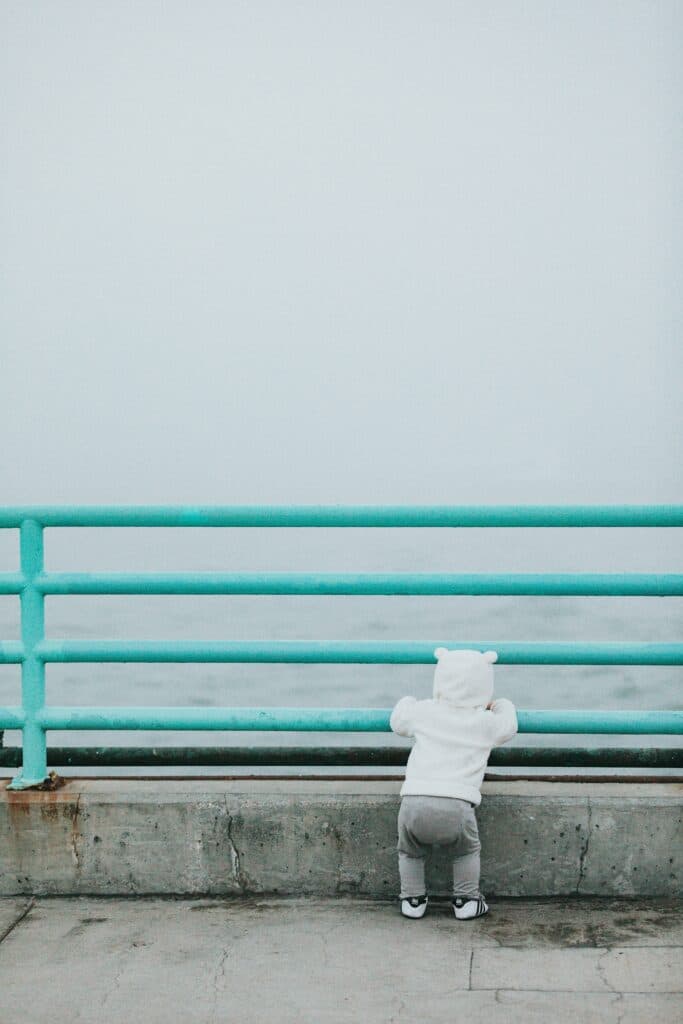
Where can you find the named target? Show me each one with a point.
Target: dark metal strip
(546, 757)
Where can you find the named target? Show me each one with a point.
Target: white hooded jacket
(454, 732)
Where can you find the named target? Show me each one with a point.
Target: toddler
(454, 733)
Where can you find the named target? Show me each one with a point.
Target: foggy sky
(318, 252)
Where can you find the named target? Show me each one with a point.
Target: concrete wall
(125, 836)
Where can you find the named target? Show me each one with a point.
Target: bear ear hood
(464, 679)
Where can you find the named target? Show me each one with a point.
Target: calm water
(348, 619)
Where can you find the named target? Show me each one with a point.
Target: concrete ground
(332, 961)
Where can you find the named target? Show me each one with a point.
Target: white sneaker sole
(415, 913)
(471, 909)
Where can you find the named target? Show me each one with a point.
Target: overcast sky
(316, 251)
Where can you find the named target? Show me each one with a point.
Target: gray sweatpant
(426, 821)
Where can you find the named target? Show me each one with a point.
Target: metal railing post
(34, 762)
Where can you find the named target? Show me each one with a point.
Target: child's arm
(504, 720)
(401, 720)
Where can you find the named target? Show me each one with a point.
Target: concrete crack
(219, 972)
(469, 976)
(24, 913)
(75, 834)
(599, 966)
(235, 859)
(583, 853)
(620, 1007)
(115, 984)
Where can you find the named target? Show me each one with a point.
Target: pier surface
(332, 961)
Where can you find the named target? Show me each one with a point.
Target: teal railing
(32, 584)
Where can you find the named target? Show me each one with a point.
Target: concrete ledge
(216, 837)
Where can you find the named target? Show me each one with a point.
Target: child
(454, 734)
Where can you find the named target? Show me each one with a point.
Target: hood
(464, 678)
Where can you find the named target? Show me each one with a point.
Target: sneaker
(414, 906)
(467, 907)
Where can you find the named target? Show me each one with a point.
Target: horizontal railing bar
(548, 584)
(294, 652)
(279, 719)
(339, 719)
(11, 582)
(11, 652)
(384, 756)
(350, 515)
(607, 722)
